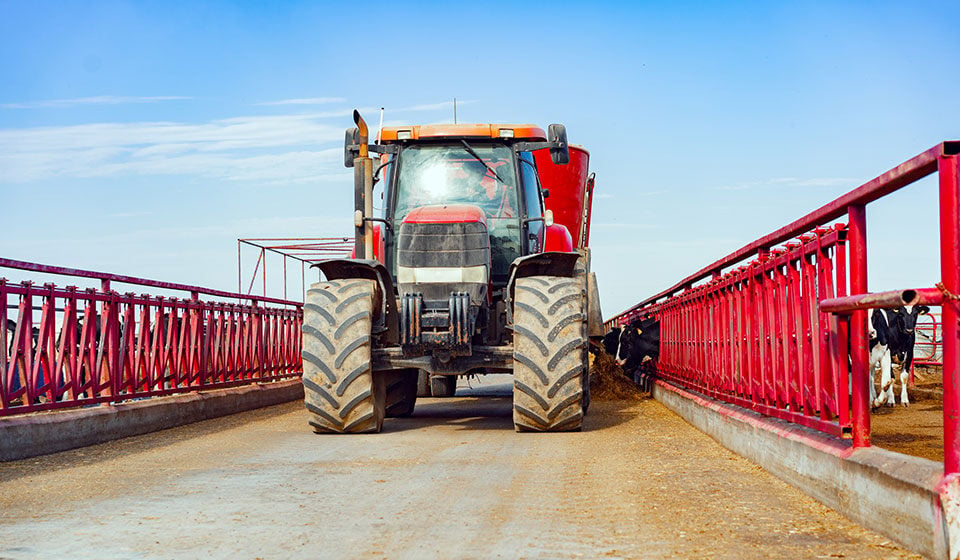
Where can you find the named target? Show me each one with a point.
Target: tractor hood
(446, 214)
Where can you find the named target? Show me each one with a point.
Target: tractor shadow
(489, 406)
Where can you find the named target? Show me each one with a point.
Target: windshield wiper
(477, 157)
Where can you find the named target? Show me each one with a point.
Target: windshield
(450, 174)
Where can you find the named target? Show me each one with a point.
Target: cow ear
(923, 309)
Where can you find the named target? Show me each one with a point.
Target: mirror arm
(381, 220)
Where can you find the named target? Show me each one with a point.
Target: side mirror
(559, 149)
(351, 141)
(545, 193)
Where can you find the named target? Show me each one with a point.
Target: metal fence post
(950, 278)
(859, 348)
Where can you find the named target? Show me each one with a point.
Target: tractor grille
(443, 245)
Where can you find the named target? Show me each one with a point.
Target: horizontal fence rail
(66, 347)
(753, 328)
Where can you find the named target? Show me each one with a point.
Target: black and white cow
(633, 343)
(611, 341)
(892, 333)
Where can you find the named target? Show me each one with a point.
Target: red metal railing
(927, 351)
(757, 336)
(70, 347)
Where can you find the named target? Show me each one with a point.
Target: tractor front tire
(340, 390)
(443, 386)
(549, 354)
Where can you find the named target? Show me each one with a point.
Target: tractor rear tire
(581, 271)
(340, 390)
(443, 386)
(423, 384)
(401, 392)
(549, 354)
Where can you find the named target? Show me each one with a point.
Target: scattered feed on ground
(608, 382)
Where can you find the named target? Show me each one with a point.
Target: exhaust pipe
(363, 192)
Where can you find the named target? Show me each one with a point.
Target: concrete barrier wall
(49, 432)
(894, 494)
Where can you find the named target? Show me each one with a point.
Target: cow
(634, 343)
(892, 333)
(611, 341)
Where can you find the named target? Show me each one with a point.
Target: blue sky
(144, 138)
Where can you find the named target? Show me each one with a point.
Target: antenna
(454, 110)
(379, 130)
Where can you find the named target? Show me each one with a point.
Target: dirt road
(453, 481)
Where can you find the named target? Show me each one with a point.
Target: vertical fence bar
(796, 326)
(843, 330)
(263, 257)
(950, 271)
(857, 254)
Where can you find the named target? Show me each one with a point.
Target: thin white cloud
(434, 106)
(97, 100)
(615, 225)
(305, 101)
(791, 182)
(129, 214)
(827, 182)
(267, 149)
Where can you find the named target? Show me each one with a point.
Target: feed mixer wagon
(478, 264)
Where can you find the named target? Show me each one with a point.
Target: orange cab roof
(424, 131)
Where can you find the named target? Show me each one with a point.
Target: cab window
(533, 203)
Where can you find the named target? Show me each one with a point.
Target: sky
(145, 138)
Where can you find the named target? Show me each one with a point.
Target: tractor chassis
(491, 359)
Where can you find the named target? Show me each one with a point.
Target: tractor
(466, 272)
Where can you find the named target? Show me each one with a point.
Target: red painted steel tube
(882, 300)
(949, 165)
(859, 348)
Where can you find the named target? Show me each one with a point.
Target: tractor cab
(462, 203)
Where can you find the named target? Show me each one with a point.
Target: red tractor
(465, 273)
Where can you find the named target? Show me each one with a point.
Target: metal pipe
(949, 166)
(363, 193)
(859, 345)
(882, 300)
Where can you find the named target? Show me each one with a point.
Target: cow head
(611, 341)
(638, 340)
(906, 317)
